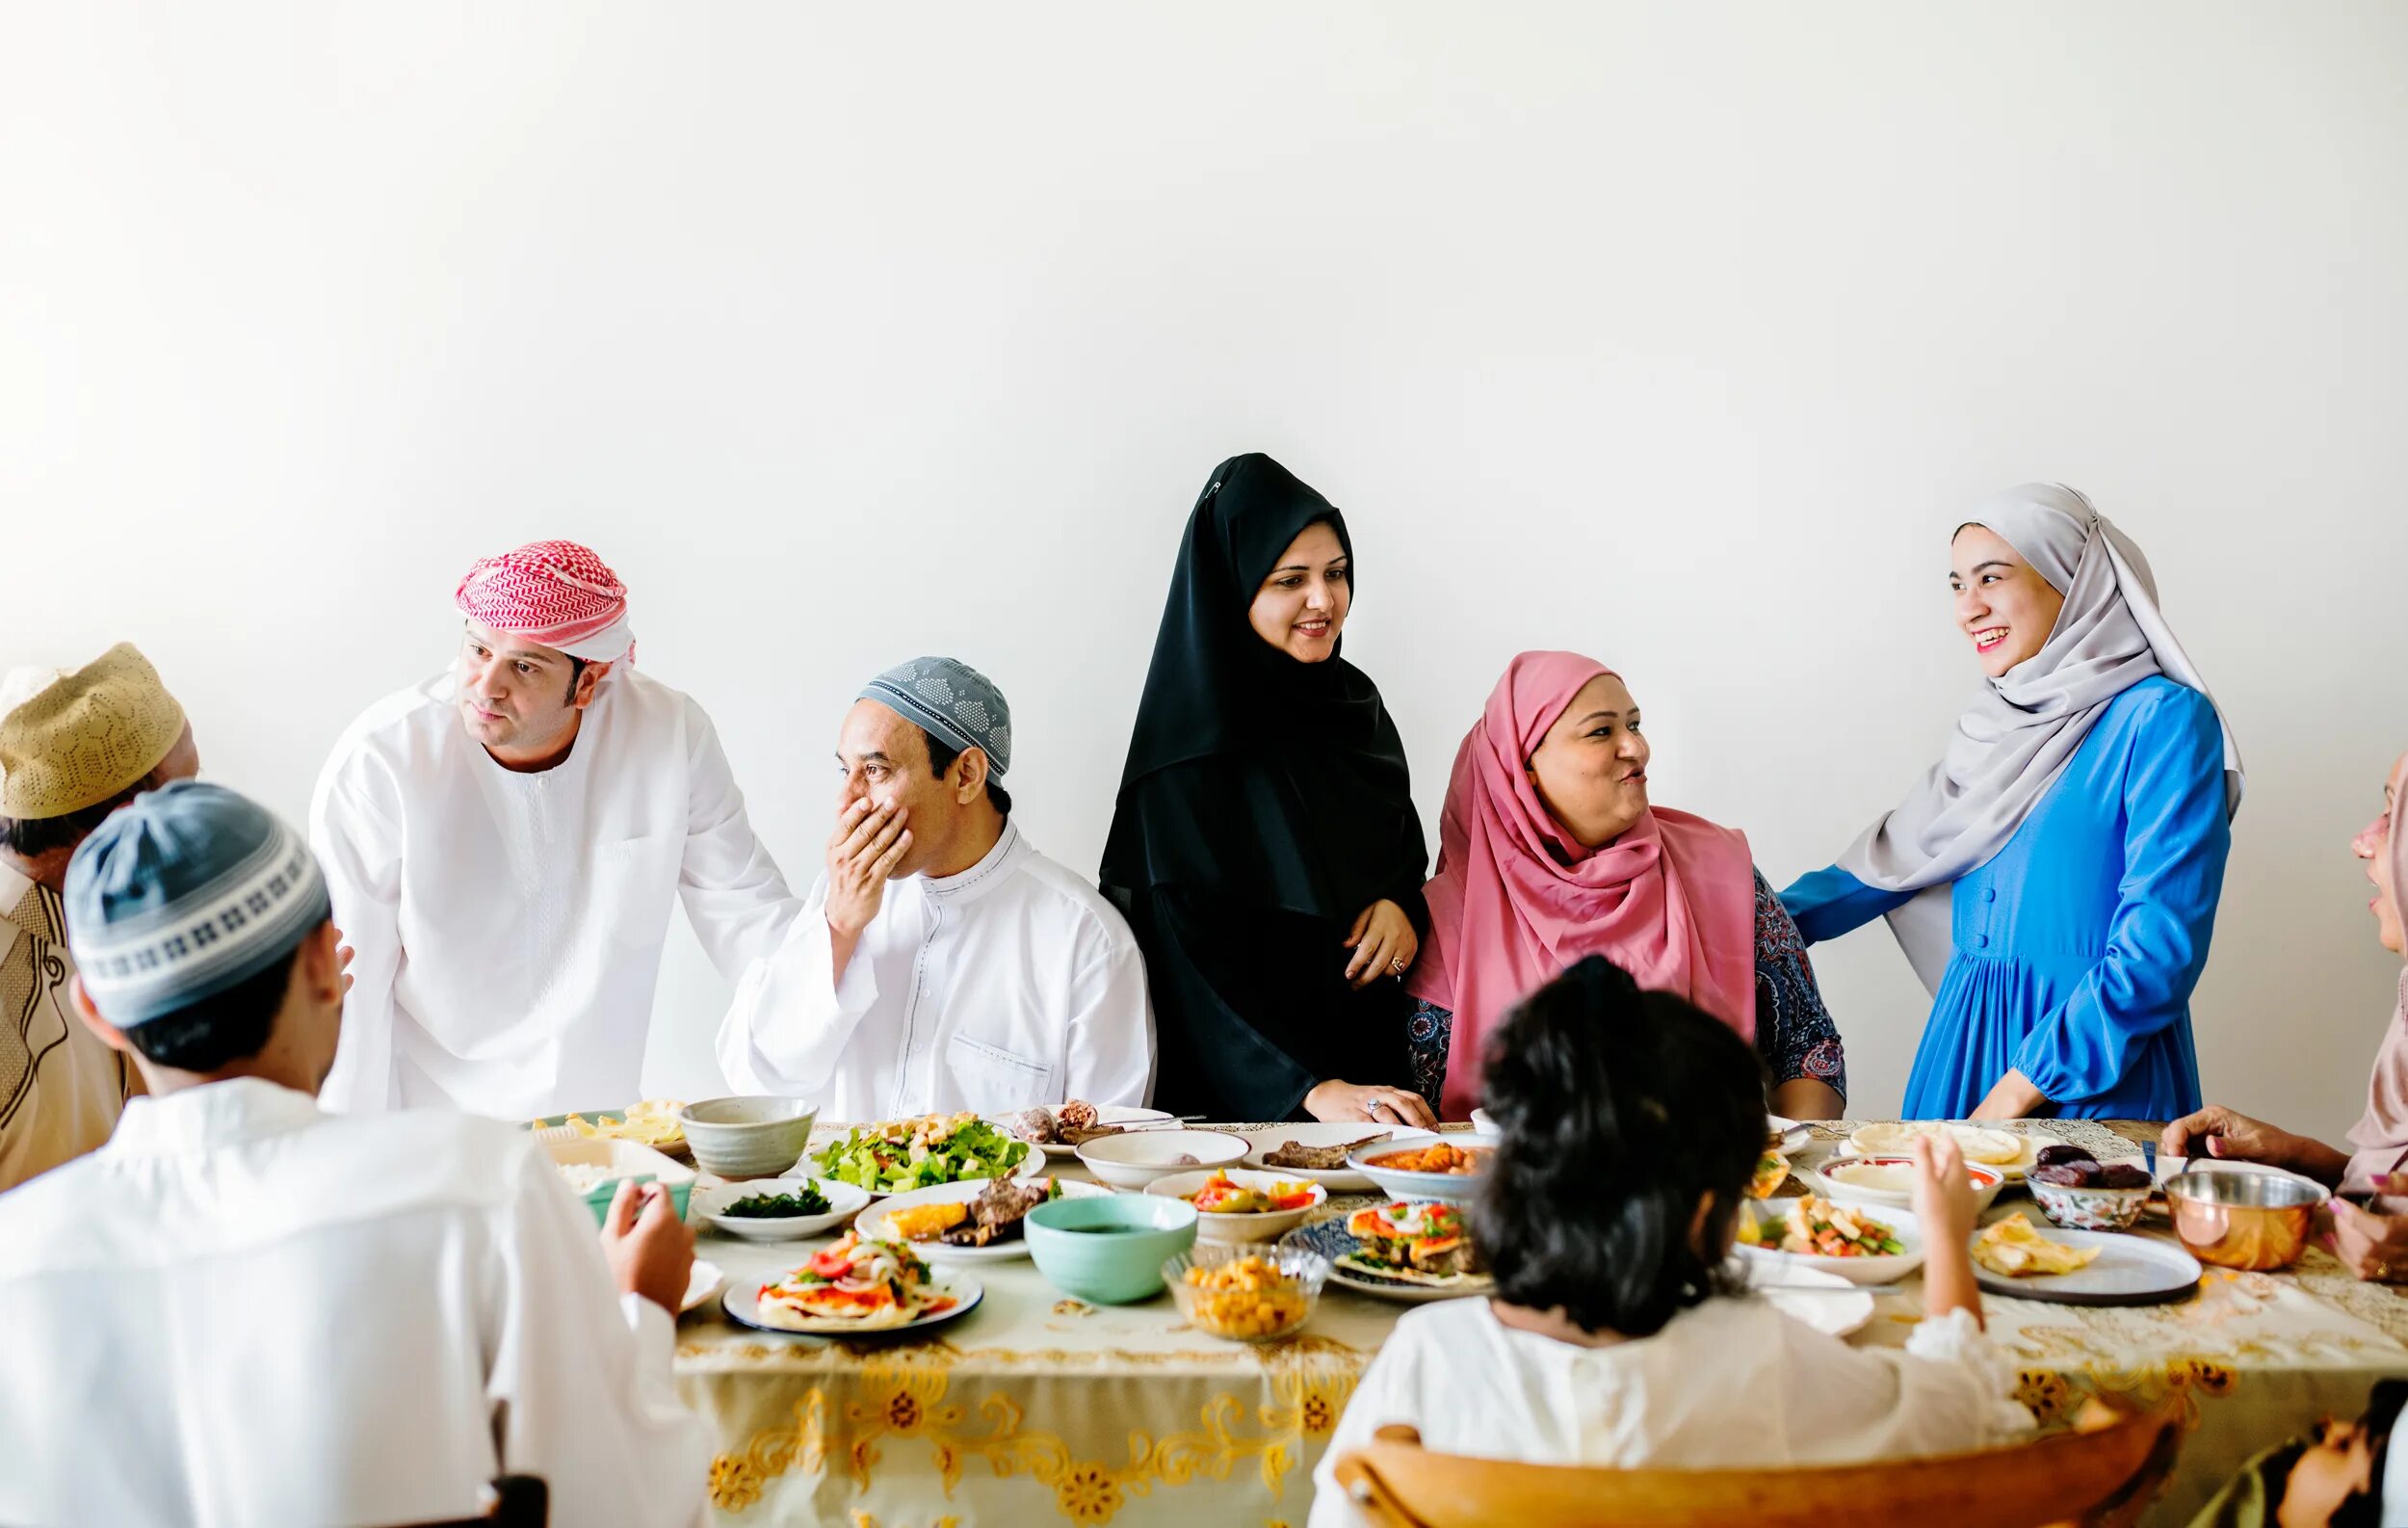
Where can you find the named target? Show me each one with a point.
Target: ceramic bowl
(1455, 1188)
(1132, 1160)
(1109, 1249)
(1302, 1272)
(711, 1203)
(752, 1137)
(1259, 1225)
(1867, 1269)
(1860, 1180)
(2089, 1209)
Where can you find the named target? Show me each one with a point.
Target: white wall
(1678, 333)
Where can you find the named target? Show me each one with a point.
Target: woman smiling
(2053, 878)
(1550, 850)
(1265, 847)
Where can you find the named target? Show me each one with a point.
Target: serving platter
(2129, 1271)
(875, 1225)
(1105, 1114)
(711, 1201)
(1332, 1240)
(741, 1304)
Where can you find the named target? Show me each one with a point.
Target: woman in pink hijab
(2371, 1238)
(1550, 850)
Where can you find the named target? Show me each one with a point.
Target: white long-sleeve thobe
(242, 1312)
(506, 928)
(1732, 1383)
(1011, 983)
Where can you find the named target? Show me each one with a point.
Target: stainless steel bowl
(2253, 1221)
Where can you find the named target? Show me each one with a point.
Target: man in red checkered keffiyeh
(556, 593)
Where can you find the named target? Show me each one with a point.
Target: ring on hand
(1396, 968)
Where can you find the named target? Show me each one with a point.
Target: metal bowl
(2252, 1221)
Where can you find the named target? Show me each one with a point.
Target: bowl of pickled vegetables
(1236, 1204)
(1862, 1242)
(1244, 1292)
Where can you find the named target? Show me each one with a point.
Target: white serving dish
(1793, 1135)
(1833, 1182)
(1855, 1269)
(1315, 1133)
(1451, 1187)
(1262, 1226)
(1896, 1138)
(844, 1200)
(2129, 1271)
(742, 1305)
(1824, 1301)
(701, 1285)
(1134, 1160)
(874, 1225)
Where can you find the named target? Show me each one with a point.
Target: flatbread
(1989, 1147)
(2013, 1248)
(1355, 1262)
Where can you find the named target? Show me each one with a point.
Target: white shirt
(1732, 1383)
(1011, 983)
(242, 1312)
(508, 927)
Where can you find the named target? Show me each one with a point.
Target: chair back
(2101, 1476)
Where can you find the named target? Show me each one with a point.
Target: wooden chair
(519, 1501)
(2102, 1475)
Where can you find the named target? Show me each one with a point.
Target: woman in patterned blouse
(1550, 850)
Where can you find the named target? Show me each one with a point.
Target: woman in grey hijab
(2054, 878)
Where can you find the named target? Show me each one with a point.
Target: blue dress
(2077, 946)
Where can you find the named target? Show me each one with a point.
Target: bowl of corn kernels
(1245, 1291)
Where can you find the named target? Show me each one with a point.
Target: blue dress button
(1989, 893)
(1981, 942)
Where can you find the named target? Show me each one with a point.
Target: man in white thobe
(242, 1312)
(940, 963)
(504, 843)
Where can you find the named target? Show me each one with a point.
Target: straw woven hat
(68, 741)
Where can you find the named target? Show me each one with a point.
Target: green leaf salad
(903, 1154)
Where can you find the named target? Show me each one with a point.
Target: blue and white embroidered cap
(949, 698)
(182, 893)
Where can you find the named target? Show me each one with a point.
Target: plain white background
(1676, 333)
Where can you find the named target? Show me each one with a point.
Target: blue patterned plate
(1332, 1240)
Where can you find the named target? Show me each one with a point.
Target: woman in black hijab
(1265, 847)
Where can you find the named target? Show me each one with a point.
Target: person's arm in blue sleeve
(1827, 903)
(2175, 837)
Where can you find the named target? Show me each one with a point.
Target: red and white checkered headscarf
(554, 593)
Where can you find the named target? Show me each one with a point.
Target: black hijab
(1252, 777)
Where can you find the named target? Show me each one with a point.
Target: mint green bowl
(1109, 1250)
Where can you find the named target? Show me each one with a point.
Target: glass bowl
(1272, 1293)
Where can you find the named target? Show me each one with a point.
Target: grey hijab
(2015, 737)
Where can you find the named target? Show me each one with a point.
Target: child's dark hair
(1620, 1111)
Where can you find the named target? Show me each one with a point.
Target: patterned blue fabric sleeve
(1794, 1032)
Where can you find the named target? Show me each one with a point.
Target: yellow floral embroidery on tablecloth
(862, 1519)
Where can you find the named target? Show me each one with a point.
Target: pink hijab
(2381, 1137)
(1516, 900)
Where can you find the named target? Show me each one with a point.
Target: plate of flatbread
(2021, 1261)
(2010, 1152)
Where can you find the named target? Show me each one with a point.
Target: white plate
(701, 1285)
(1896, 1137)
(742, 1303)
(1855, 1269)
(1254, 1226)
(1315, 1133)
(1824, 1301)
(1450, 1187)
(1105, 1114)
(1794, 1136)
(710, 1202)
(2129, 1271)
(874, 1222)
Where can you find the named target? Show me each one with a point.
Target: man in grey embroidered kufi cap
(194, 1264)
(941, 963)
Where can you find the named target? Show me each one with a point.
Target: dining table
(1037, 1408)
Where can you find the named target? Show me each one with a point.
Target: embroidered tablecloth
(1038, 1409)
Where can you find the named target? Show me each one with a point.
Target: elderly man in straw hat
(74, 749)
(504, 843)
(941, 963)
